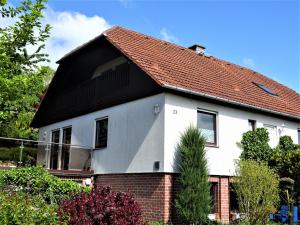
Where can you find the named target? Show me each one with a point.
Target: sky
(262, 35)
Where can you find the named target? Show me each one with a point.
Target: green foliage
(21, 81)
(193, 201)
(286, 143)
(3, 2)
(37, 181)
(23, 209)
(18, 97)
(255, 145)
(257, 188)
(26, 31)
(287, 163)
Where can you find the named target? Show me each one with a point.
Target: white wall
(135, 136)
(180, 112)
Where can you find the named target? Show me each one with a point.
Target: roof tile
(170, 64)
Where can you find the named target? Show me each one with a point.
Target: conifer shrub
(101, 206)
(193, 202)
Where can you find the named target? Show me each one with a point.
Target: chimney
(199, 49)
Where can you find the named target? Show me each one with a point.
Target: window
(214, 197)
(252, 125)
(299, 136)
(208, 125)
(263, 87)
(54, 149)
(65, 154)
(234, 204)
(101, 133)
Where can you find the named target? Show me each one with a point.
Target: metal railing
(15, 152)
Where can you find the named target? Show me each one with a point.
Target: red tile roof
(173, 66)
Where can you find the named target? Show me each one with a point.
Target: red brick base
(155, 192)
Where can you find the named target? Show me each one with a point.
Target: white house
(130, 96)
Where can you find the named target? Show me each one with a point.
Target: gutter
(196, 93)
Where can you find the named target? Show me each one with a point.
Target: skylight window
(263, 87)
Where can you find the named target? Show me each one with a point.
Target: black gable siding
(73, 92)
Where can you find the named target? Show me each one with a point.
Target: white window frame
(95, 131)
(215, 145)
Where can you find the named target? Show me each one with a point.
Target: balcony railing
(53, 156)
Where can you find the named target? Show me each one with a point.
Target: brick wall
(155, 192)
(148, 189)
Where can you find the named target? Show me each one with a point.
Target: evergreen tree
(193, 203)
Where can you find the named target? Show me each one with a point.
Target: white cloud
(167, 36)
(249, 62)
(69, 30)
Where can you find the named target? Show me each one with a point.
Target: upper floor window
(299, 136)
(252, 125)
(101, 133)
(207, 122)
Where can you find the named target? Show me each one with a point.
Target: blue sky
(262, 35)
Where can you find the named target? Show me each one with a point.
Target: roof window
(263, 87)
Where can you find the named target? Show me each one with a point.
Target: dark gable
(77, 90)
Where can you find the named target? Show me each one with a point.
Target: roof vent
(199, 49)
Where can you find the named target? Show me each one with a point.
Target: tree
(26, 32)
(22, 81)
(257, 189)
(286, 161)
(255, 145)
(193, 201)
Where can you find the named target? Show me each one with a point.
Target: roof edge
(196, 93)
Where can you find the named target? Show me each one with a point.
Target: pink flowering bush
(101, 206)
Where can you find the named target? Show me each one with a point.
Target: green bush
(21, 208)
(193, 203)
(255, 145)
(37, 181)
(257, 189)
(286, 143)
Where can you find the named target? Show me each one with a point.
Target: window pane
(299, 136)
(214, 197)
(252, 125)
(207, 124)
(65, 154)
(54, 150)
(101, 133)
